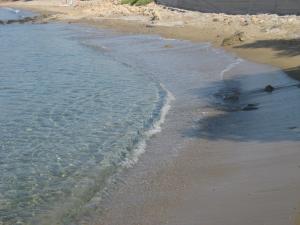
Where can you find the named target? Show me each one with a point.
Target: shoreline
(283, 50)
(211, 181)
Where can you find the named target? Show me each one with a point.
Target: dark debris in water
(231, 95)
(250, 107)
(35, 19)
(292, 127)
(229, 99)
(269, 88)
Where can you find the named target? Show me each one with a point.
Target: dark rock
(1, 22)
(250, 107)
(154, 17)
(292, 128)
(231, 95)
(28, 19)
(11, 21)
(231, 98)
(22, 21)
(269, 88)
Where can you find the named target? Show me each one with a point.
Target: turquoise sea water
(69, 117)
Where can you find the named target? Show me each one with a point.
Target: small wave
(96, 47)
(167, 39)
(16, 11)
(155, 128)
(230, 67)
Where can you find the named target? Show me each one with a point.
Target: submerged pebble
(269, 88)
(250, 107)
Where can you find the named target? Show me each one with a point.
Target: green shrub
(136, 2)
(130, 2)
(143, 2)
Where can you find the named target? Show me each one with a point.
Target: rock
(149, 26)
(11, 21)
(231, 97)
(29, 19)
(254, 19)
(269, 88)
(168, 46)
(291, 20)
(244, 22)
(154, 17)
(21, 21)
(250, 107)
(237, 37)
(1, 22)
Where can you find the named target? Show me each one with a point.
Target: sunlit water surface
(69, 118)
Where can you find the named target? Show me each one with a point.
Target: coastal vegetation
(136, 2)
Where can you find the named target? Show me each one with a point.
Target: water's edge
(194, 74)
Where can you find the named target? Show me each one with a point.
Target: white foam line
(156, 128)
(230, 67)
(13, 10)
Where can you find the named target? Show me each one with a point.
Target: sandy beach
(231, 165)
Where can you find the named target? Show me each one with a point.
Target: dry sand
(210, 182)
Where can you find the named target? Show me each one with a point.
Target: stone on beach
(237, 37)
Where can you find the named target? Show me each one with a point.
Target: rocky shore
(34, 19)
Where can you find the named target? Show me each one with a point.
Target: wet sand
(233, 167)
(228, 167)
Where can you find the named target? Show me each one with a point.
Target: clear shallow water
(13, 14)
(69, 117)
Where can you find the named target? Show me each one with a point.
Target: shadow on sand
(293, 72)
(284, 48)
(246, 112)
